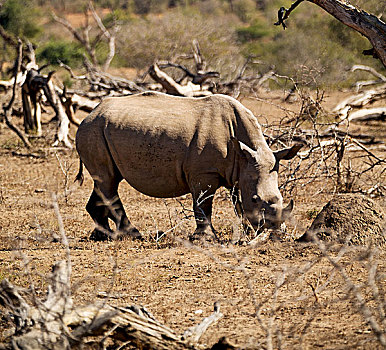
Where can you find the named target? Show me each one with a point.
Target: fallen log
(359, 100)
(367, 114)
(57, 324)
(360, 84)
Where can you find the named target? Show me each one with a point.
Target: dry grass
(279, 294)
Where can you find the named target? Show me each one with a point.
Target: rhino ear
(288, 153)
(243, 150)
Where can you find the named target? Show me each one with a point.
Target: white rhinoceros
(166, 146)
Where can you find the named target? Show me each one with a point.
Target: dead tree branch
(198, 57)
(370, 26)
(82, 35)
(104, 82)
(40, 324)
(110, 37)
(173, 88)
(7, 108)
(380, 77)
(194, 333)
(63, 120)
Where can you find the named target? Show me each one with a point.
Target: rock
(352, 219)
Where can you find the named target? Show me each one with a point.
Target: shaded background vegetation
(315, 44)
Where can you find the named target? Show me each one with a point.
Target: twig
(195, 333)
(366, 150)
(353, 288)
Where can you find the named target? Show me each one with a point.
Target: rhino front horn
(287, 210)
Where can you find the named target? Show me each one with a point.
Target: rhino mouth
(261, 223)
(274, 226)
(273, 221)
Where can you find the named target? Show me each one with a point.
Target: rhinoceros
(167, 146)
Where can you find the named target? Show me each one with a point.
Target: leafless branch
(82, 38)
(110, 37)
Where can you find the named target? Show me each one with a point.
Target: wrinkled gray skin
(166, 146)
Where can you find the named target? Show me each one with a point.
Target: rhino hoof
(99, 236)
(202, 236)
(132, 233)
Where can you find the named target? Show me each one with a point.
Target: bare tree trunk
(64, 122)
(359, 100)
(31, 106)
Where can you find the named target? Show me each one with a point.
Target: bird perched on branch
(280, 16)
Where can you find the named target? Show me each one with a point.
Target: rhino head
(261, 199)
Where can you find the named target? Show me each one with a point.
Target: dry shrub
(170, 35)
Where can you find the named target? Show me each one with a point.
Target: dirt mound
(351, 218)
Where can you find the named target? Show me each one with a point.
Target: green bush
(143, 7)
(244, 9)
(120, 16)
(316, 48)
(165, 37)
(19, 17)
(68, 52)
(255, 31)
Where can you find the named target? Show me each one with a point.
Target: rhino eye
(255, 198)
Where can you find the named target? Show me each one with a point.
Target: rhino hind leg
(100, 214)
(102, 208)
(123, 226)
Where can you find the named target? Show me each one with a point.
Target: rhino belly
(150, 163)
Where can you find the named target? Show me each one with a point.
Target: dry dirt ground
(285, 291)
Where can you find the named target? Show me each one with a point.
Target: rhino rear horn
(243, 150)
(288, 153)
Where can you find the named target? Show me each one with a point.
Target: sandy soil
(298, 295)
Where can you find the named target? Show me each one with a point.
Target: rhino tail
(79, 176)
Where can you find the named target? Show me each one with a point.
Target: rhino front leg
(236, 201)
(202, 206)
